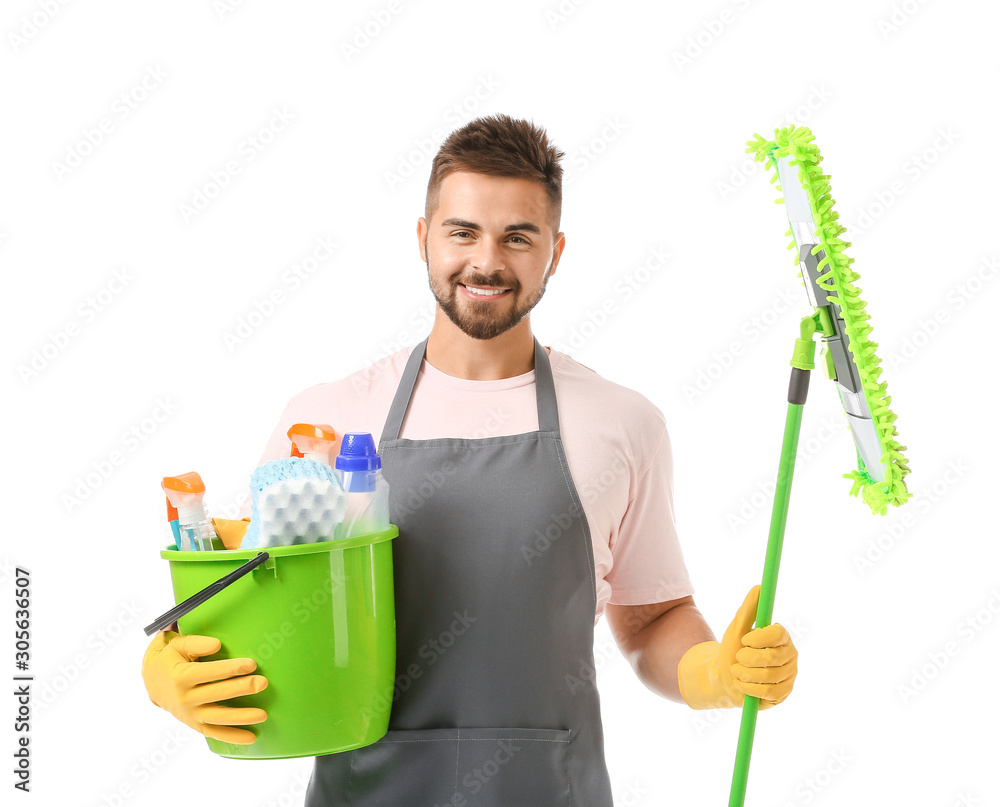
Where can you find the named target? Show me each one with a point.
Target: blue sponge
(293, 501)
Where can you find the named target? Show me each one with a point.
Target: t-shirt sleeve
(648, 564)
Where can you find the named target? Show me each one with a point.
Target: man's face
(492, 234)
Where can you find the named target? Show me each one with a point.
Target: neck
(452, 351)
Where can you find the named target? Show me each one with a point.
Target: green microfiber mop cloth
(834, 279)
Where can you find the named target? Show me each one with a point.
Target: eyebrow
(526, 226)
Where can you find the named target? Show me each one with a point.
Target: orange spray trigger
(185, 483)
(312, 441)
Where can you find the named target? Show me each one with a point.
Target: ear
(421, 237)
(557, 250)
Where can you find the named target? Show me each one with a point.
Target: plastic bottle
(360, 469)
(173, 524)
(186, 492)
(312, 441)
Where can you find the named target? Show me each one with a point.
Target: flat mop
(848, 357)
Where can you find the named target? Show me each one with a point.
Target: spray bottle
(312, 441)
(186, 493)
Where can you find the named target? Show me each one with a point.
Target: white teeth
(484, 293)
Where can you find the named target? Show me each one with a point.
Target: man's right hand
(189, 689)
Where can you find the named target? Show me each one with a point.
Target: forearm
(656, 650)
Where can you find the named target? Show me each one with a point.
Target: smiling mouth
(484, 292)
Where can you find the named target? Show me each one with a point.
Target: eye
(461, 232)
(523, 240)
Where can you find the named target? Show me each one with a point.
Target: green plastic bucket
(319, 620)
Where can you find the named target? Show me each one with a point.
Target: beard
(486, 319)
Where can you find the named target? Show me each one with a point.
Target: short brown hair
(499, 145)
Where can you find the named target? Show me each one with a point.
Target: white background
(653, 104)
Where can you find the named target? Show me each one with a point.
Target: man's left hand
(766, 665)
(761, 662)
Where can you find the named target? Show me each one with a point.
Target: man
(531, 495)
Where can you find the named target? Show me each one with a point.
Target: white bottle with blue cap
(360, 468)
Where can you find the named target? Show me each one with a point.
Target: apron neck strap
(545, 393)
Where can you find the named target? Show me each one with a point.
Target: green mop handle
(797, 388)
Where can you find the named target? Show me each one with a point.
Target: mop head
(836, 286)
(293, 501)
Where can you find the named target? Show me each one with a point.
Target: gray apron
(495, 703)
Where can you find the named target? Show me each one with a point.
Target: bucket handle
(192, 602)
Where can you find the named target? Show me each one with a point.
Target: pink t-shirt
(615, 441)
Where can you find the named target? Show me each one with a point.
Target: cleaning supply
(316, 614)
(312, 441)
(849, 359)
(173, 524)
(840, 317)
(189, 689)
(330, 681)
(360, 469)
(231, 530)
(293, 501)
(195, 531)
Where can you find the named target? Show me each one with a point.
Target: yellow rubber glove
(761, 662)
(189, 689)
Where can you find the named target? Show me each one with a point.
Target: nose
(488, 257)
